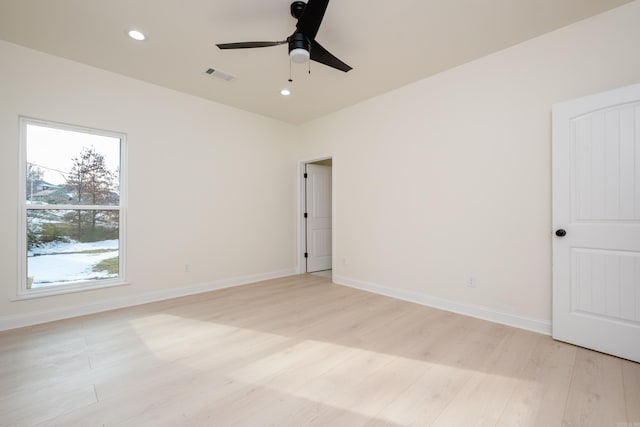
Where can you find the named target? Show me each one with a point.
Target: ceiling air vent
(219, 74)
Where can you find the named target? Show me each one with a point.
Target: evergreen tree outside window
(72, 208)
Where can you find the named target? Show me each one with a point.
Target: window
(72, 203)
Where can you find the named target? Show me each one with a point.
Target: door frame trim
(300, 223)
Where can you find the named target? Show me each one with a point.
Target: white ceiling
(388, 43)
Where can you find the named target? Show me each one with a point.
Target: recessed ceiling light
(136, 35)
(285, 92)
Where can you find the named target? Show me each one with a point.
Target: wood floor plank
(303, 351)
(631, 383)
(27, 408)
(265, 393)
(449, 360)
(539, 399)
(483, 397)
(596, 395)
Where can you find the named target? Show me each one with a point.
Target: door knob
(561, 232)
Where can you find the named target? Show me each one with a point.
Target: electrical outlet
(187, 267)
(471, 281)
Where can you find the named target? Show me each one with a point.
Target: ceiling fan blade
(323, 56)
(249, 45)
(309, 22)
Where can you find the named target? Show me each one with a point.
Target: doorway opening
(316, 216)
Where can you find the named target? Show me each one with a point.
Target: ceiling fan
(302, 43)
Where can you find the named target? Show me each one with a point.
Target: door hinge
(306, 255)
(306, 215)
(305, 175)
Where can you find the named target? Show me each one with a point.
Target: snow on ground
(73, 246)
(58, 262)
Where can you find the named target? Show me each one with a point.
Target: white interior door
(318, 219)
(596, 201)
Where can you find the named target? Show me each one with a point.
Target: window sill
(65, 289)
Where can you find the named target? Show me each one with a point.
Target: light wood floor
(301, 351)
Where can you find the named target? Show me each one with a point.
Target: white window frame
(22, 291)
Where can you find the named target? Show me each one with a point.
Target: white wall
(451, 176)
(208, 184)
(446, 177)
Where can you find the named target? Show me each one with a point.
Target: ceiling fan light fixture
(309, 15)
(299, 55)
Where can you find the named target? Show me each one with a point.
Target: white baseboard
(21, 320)
(535, 325)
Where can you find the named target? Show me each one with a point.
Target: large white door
(318, 220)
(596, 219)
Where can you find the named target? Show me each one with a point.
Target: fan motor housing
(297, 7)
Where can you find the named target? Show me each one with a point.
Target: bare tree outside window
(92, 184)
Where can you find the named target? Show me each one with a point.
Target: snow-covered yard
(61, 263)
